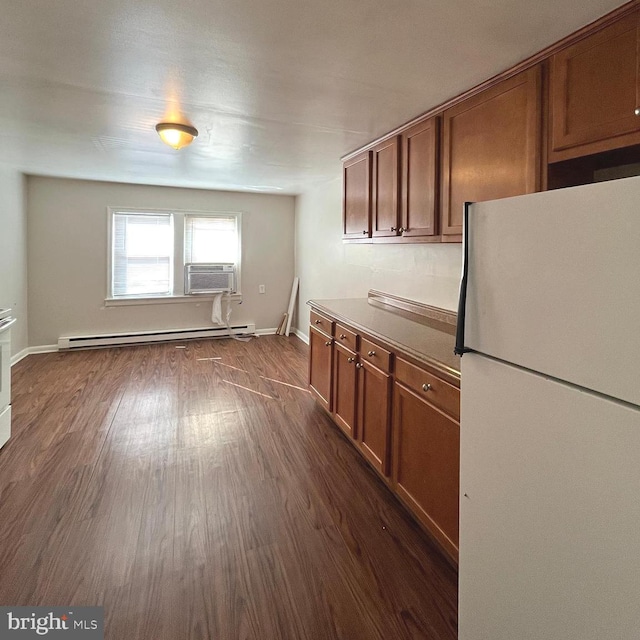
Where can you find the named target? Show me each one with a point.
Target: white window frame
(179, 217)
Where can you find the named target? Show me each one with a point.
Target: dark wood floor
(197, 498)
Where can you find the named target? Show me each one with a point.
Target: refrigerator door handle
(462, 302)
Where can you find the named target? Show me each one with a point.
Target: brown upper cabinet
(385, 188)
(594, 92)
(356, 180)
(491, 147)
(495, 140)
(403, 187)
(419, 179)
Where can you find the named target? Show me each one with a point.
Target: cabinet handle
(358, 365)
(365, 232)
(402, 230)
(637, 111)
(351, 359)
(328, 343)
(394, 229)
(371, 354)
(318, 321)
(426, 387)
(342, 336)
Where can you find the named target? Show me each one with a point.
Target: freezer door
(554, 284)
(549, 509)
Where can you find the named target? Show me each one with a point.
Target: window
(142, 254)
(209, 239)
(149, 249)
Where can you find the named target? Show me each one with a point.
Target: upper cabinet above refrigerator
(491, 147)
(595, 92)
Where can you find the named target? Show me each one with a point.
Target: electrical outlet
(262, 289)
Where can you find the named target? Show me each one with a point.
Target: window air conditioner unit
(209, 278)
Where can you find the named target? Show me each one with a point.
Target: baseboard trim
(43, 348)
(21, 355)
(266, 332)
(293, 332)
(53, 348)
(302, 336)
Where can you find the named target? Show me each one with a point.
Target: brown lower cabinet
(374, 391)
(426, 464)
(320, 363)
(402, 418)
(345, 389)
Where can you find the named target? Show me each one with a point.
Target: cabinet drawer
(346, 337)
(322, 323)
(375, 354)
(430, 387)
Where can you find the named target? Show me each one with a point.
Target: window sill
(129, 302)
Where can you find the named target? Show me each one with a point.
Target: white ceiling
(279, 89)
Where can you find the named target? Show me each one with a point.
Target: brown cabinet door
(373, 417)
(357, 196)
(426, 464)
(385, 185)
(594, 91)
(419, 179)
(491, 146)
(320, 363)
(344, 389)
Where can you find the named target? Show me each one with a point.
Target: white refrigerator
(549, 323)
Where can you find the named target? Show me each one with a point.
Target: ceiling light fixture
(176, 135)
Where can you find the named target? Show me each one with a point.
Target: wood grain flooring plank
(200, 493)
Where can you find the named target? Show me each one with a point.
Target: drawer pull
(328, 343)
(426, 387)
(371, 354)
(318, 321)
(358, 365)
(351, 359)
(342, 336)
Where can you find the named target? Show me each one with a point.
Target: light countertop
(430, 341)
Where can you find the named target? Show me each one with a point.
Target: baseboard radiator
(66, 343)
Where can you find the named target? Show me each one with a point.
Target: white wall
(13, 253)
(67, 237)
(328, 268)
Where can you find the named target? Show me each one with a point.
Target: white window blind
(211, 239)
(142, 254)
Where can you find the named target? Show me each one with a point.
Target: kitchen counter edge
(420, 358)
